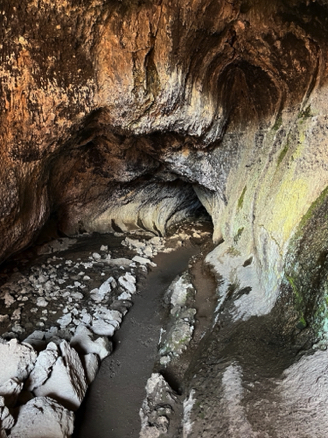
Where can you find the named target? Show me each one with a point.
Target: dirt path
(111, 408)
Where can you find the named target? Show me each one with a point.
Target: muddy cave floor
(229, 365)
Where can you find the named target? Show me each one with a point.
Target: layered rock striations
(121, 115)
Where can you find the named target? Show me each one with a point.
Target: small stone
(9, 299)
(41, 302)
(4, 318)
(128, 282)
(121, 262)
(103, 328)
(16, 316)
(124, 296)
(65, 320)
(96, 256)
(83, 341)
(77, 295)
(143, 261)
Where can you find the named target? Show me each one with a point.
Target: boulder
(90, 363)
(10, 391)
(43, 366)
(67, 383)
(16, 360)
(83, 341)
(43, 417)
(6, 419)
(128, 281)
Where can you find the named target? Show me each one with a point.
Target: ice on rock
(6, 419)
(16, 360)
(67, 383)
(90, 364)
(128, 281)
(43, 417)
(10, 391)
(43, 366)
(83, 341)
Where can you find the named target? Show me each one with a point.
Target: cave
(163, 217)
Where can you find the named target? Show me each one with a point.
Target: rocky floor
(176, 368)
(61, 305)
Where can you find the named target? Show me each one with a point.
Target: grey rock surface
(67, 383)
(16, 360)
(43, 417)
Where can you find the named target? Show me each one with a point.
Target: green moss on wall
(241, 198)
(306, 113)
(278, 123)
(282, 154)
(306, 268)
(238, 235)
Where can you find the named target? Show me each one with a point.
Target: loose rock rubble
(76, 304)
(157, 407)
(175, 339)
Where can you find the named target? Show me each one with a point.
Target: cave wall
(126, 114)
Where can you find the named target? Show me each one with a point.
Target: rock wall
(116, 115)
